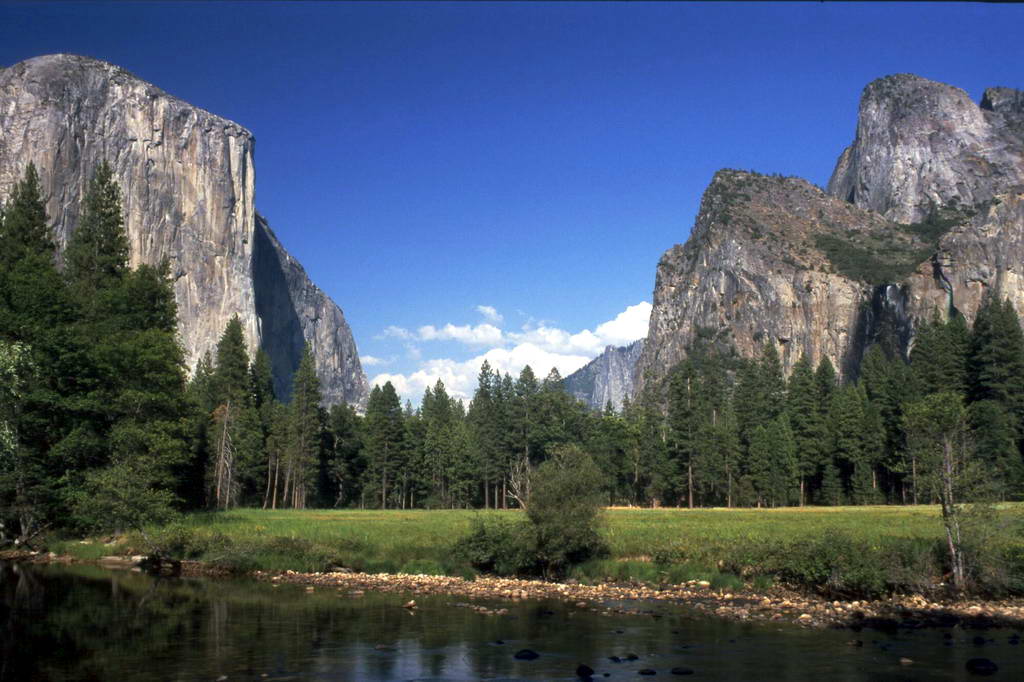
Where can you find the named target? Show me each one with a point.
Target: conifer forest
(100, 420)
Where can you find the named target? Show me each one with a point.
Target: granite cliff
(187, 179)
(924, 212)
(608, 378)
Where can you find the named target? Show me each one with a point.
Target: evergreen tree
(384, 432)
(231, 377)
(847, 420)
(887, 383)
(995, 447)
(996, 359)
(938, 360)
(826, 380)
(810, 432)
(97, 253)
(304, 429)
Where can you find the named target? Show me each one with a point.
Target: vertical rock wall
(187, 180)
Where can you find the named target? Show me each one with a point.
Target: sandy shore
(777, 604)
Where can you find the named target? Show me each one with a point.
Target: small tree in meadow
(565, 510)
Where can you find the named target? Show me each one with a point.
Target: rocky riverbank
(776, 604)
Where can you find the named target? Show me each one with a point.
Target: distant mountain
(608, 377)
(187, 179)
(924, 213)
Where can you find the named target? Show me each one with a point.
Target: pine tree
(346, 463)
(685, 420)
(996, 359)
(938, 360)
(384, 439)
(810, 433)
(25, 233)
(995, 445)
(826, 380)
(231, 377)
(304, 427)
(97, 253)
(847, 420)
(236, 432)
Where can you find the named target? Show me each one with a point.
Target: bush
(562, 530)
(500, 547)
(564, 510)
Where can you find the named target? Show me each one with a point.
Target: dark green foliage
(499, 547)
(304, 433)
(810, 433)
(894, 254)
(345, 461)
(384, 440)
(995, 446)
(561, 529)
(25, 232)
(121, 497)
(232, 380)
(880, 263)
(996, 358)
(938, 360)
(564, 509)
(97, 253)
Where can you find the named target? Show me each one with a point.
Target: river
(86, 623)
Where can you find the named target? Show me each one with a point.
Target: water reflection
(84, 623)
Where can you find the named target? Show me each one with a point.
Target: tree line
(99, 419)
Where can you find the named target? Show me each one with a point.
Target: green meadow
(854, 551)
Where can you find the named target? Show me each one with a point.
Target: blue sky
(499, 180)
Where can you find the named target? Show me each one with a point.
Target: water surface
(86, 623)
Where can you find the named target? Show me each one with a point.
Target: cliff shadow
(280, 328)
(883, 320)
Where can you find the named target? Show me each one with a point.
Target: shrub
(501, 547)
(564, 510)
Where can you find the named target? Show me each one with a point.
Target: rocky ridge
(923, 213)
(187, 179)
(608, 378)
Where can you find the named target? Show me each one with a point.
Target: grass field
(851, 549)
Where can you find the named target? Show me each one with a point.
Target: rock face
(921, 144)
(606, 378)
(753, 272)
(187, 181)
(924, 212)
(294, 311)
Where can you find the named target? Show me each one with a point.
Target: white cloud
(460, 378)
(370, 360)
(539, 345)
(395, 332)
(479, 335)
(628, 326)
(490, 314)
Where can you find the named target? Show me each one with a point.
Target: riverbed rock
(981, 666)
(526, 655)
